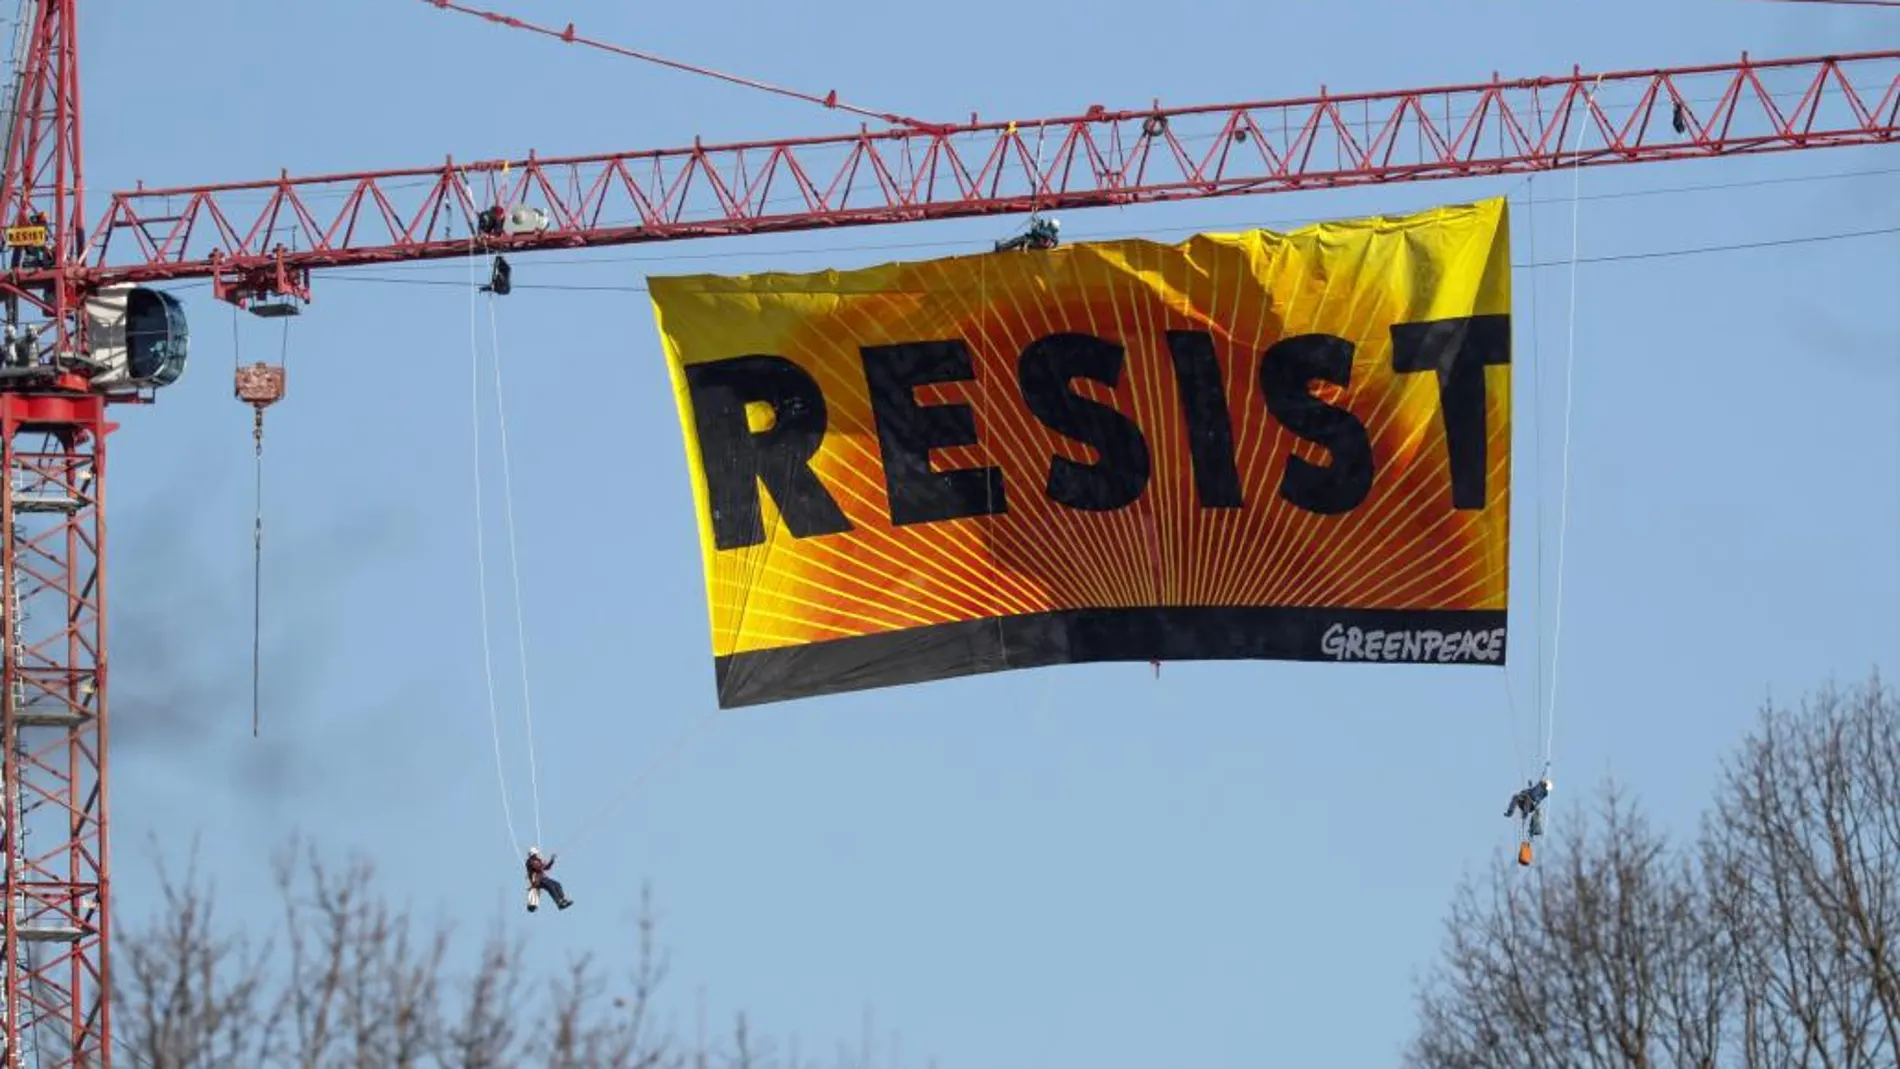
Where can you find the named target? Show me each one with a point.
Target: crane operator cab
(137, 336)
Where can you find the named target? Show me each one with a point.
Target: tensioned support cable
(568, 34)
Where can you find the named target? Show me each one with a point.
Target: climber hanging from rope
(498, 286)
(500, 278)
(539, 880)
(1529, 804)
(1042, 234)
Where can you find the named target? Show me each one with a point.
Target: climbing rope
(1515, 718)
(1570, 366)
(514, 566)
(1545, 703)
(481, 552)
(1537, 465)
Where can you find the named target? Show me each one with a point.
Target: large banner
(1259, 445)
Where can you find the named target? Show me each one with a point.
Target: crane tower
(84, 330)
(52, 431)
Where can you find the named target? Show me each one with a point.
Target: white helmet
(534, 851)
(1547, 790)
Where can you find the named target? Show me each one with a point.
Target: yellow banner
(1258, 445)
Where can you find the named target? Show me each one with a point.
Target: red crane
(82, 331)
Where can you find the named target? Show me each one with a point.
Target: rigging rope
(514, 566)
(1570, 367)
(481, 553)
(653, 767)
(1537, 466)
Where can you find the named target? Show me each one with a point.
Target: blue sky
(1238, 863)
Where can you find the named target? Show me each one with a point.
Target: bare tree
(1802, 856)
(190, 993)
(1596, 960)
(1773, 940)
(349, 982)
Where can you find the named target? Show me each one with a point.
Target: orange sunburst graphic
(1182, 510)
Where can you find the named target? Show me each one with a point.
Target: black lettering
(1459, 350)
(1285, 370)
(907, 432)
(1123, 466)
(737, 460)
(1210, 427)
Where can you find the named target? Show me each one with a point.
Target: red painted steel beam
(53, 723)
(42, 178)
(267, 235)
(55, 935)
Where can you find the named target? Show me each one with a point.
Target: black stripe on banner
(945, 651)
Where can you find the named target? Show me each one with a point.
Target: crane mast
(83, 328)
(52, 690)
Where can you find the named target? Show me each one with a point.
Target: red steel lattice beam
(53, 724)
(42, 179)
(265, 236)
(54, 935)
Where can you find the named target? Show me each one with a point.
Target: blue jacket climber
(1526, 801)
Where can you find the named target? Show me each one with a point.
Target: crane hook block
(137, 337)
(260, 385)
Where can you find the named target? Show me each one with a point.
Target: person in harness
(539, 881)
(1042, 234)
(1529, 803)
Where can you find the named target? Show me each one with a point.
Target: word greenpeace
(1342, 643)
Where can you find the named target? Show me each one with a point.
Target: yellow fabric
(1403, 546)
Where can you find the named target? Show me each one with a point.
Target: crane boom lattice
(241, 233)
